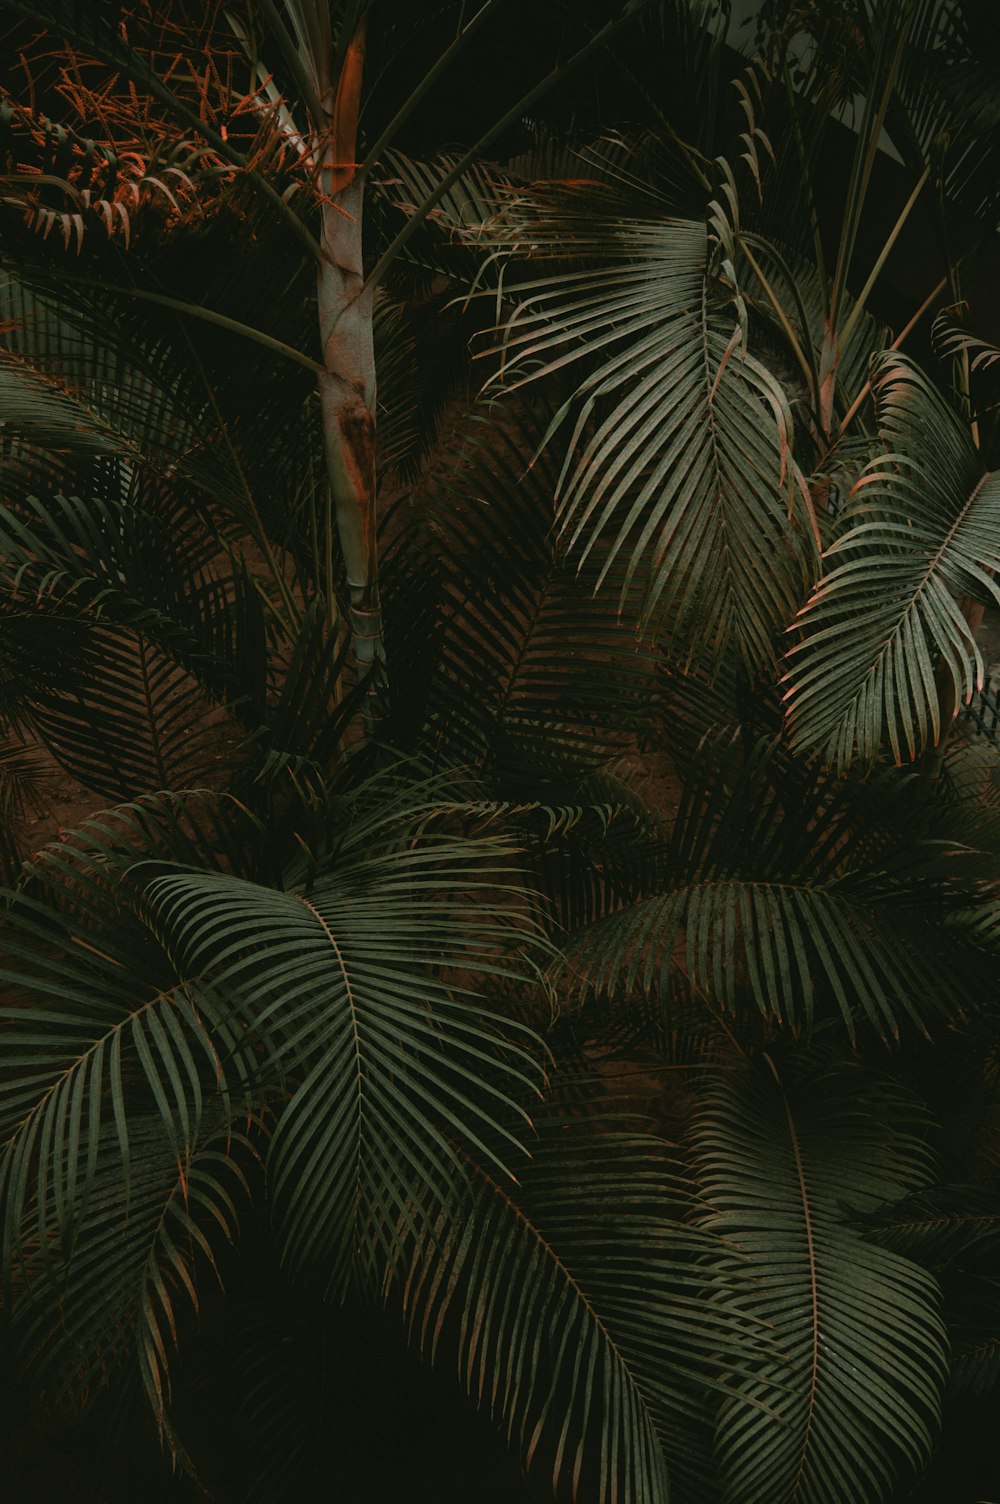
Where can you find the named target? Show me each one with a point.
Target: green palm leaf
(771, 899)
(976, 1368)
(177, 419)
(680, 457)
(884, 634)
(113, 1180)
(76, 384)
(853, 1397)
(382, 1063)
(147, 1000)
(584, 1316)
(127, 1289)
(786, 946)
(941, 1225)
(954, 1231)
(99, 1029)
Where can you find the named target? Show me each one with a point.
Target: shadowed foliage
(498, 523)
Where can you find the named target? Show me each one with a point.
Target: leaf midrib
(535, 1232)
(813, 1290)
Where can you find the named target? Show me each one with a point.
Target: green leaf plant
(512, 957)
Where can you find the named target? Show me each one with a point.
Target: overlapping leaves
(146, 1003)
(584, 1275)
(525, 665)
(679, 460)
(884, 640)
(772, 899)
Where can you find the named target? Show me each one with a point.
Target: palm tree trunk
(347, 385)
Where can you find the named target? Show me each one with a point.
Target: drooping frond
(129, 1285)
(852, 1395)
(585, 1319)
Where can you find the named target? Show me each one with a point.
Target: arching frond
(76, 387)
(782, 944)
(381, 1062)
(97, 1031)
(153, 985)
(884, 634)
(680, 460)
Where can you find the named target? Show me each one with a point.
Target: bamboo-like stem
(873, 276)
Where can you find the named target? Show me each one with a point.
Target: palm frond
(680, 459)
(113, 1177)
(127, 1289)
(147, 998)
(577, 1301)
(75, 385)
(975, 1371)
(96, 1033)
(939, 1226)
(381, 1061)
(853, 1397)
(884, 633)
(768, 899)
(187, 418)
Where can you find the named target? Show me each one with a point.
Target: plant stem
(347, 380)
